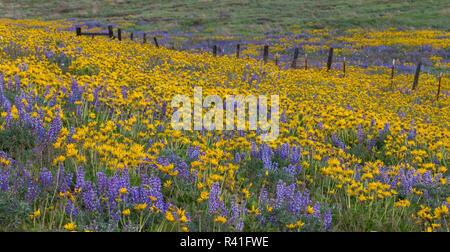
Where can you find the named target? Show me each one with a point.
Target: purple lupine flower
(2, 97)
(234, 210)
(160, 204)
(279, 194)
(32, 191)
(427, 179)
(299, 169)
(155, 183)
(95, 101)
(160, 128)
(115, 217)
(240, 225)
(6, 104)
(71, 133)
(263, 198)
(134, 194)
(412, 133)
(9, 118)
(55, 128)
(90, 199)
(425, 194)
(386, 128)
(113, 191)
(327, 218)
(23, 177)
(79, 111)
(371, 143)
(266, 158)
(408, 179)
(338, 142)
(155, 191)
(291, 169)
(296, 205)
(193, 152)
(316, 209)
(17, 82)
(360, 134)
(289, 192)
(254, 151)
(52, 103)
(76, 92)
(215, 203)
(45, 177)
(261, 220)
(305, 200)
(68, 179)
(273, 219)
(372, 123)
(18, 103)
(4, 180)
(283, 116)
(358, 172)
(183, 171)
(243, 156)
(284, 152)
(320, 126)
(163, 110)
(124, 178)
(296, 155)
(41, 114)
(79, 181)
(70, 209)
(237, 157)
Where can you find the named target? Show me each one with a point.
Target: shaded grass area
(245, 17)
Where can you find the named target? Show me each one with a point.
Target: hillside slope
(245, 17)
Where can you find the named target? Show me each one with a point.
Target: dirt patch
(55, 15)
(445, 11)
(13, 10)
(115, 15)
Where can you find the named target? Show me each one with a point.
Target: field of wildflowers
(86, 142)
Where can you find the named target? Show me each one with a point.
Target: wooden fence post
(294, 61)
(330, 58)
(266, 53)
(78, 31)
(306, 61)
(392, 73)
(343, 67)
(144, 38)
(416, 76)
(132, 36)
(238, 48)
(110, 31)
(439, 86)
(214, 50)
(156, 42)
(119, 34)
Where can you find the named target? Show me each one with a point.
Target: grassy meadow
(243, 17)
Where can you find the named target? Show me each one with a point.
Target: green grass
(245, 17)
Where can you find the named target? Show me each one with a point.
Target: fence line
(110, 34)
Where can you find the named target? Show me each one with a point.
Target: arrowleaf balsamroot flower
(70, 226)
(220, 219)
(140, 207)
